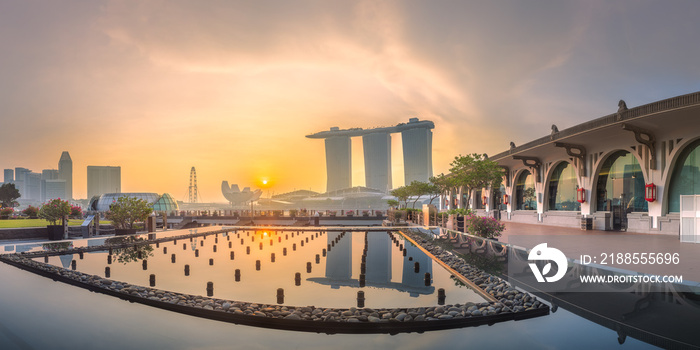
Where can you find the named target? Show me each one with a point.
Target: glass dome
(166, 202)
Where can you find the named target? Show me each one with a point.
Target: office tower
(65, 172)
(54, 188)
(377, 152)
(103, 179)
(19, 181)
(9, 176)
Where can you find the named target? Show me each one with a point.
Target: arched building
(602, 169)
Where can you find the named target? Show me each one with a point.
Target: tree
(475, 171)
(418, 188)
(8, 195)
(443, 183)
(126, 210)
(402, 193)
(54, 210)
(392, 203)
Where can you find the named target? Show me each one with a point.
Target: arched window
(685, 179)
(525, 192)
(562, 188)
(621, 183)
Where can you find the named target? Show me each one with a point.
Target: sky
(232, 87)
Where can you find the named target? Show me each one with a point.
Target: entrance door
(619, 214)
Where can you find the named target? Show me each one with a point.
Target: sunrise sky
(232, 87)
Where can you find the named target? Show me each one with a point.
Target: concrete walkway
(601, 244)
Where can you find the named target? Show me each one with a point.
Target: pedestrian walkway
(597, 244)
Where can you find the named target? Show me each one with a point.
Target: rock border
(514, 304)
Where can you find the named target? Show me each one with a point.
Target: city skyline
(232, 88)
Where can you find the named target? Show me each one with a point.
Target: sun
(264, 182)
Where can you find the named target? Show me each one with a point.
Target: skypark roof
(413, 123)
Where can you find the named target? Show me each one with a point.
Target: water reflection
(307, 276)
(664, 315)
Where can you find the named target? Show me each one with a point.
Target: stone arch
(668, 171)
(598, 167)
(548, 177)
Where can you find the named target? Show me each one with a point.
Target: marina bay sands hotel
(417, 141)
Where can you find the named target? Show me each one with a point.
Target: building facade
(625, 171)
(103, 179)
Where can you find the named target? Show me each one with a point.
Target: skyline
(232, 89)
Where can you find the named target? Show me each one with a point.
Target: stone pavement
(574, 242)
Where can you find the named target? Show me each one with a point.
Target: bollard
(184, 246)
(211, 262)
(145, 264)
(307, 239)
(279, 239)
(363, 268)
(286, 237)
(237, 275)
(152, 280)
(329, 247)
(107, 272)
(427, 279)
(247, 250)
(210, 289)
(229, 245)
(110, 251)
(165, 250)
(308, 267)
(270, 241)
(196, 253)
(216, 240)
(360, 299)
(172, 258)
(214, 247)
(109, 259)
(324, 252)
(257, 265)
(241, 240)
(297, 279)
(80, 255)
(294, 246)
(261, 246)
(272, 257)
(441, 296)
(318, 258)
(280, 296)
(174, 241)
(302, 243)
(191, 239)
(231, 255)
(187, 270)
(332, 244)
(46, 259)
(72, 264)
(362, 280)
(404, 253)
(416, 267)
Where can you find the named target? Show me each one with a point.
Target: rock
(292, 317)
(373, 319)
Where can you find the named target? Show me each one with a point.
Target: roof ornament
(621, 108)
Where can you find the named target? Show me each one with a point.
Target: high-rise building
(417, 153)
(49, 174)
(19, 180)
(417, 139)
(338, 163)
(32, 187)
(65, 172)
(9, 176)
(103, 179)
(377, 152)
(54, 188)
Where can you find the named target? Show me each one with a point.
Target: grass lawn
(15, 223)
